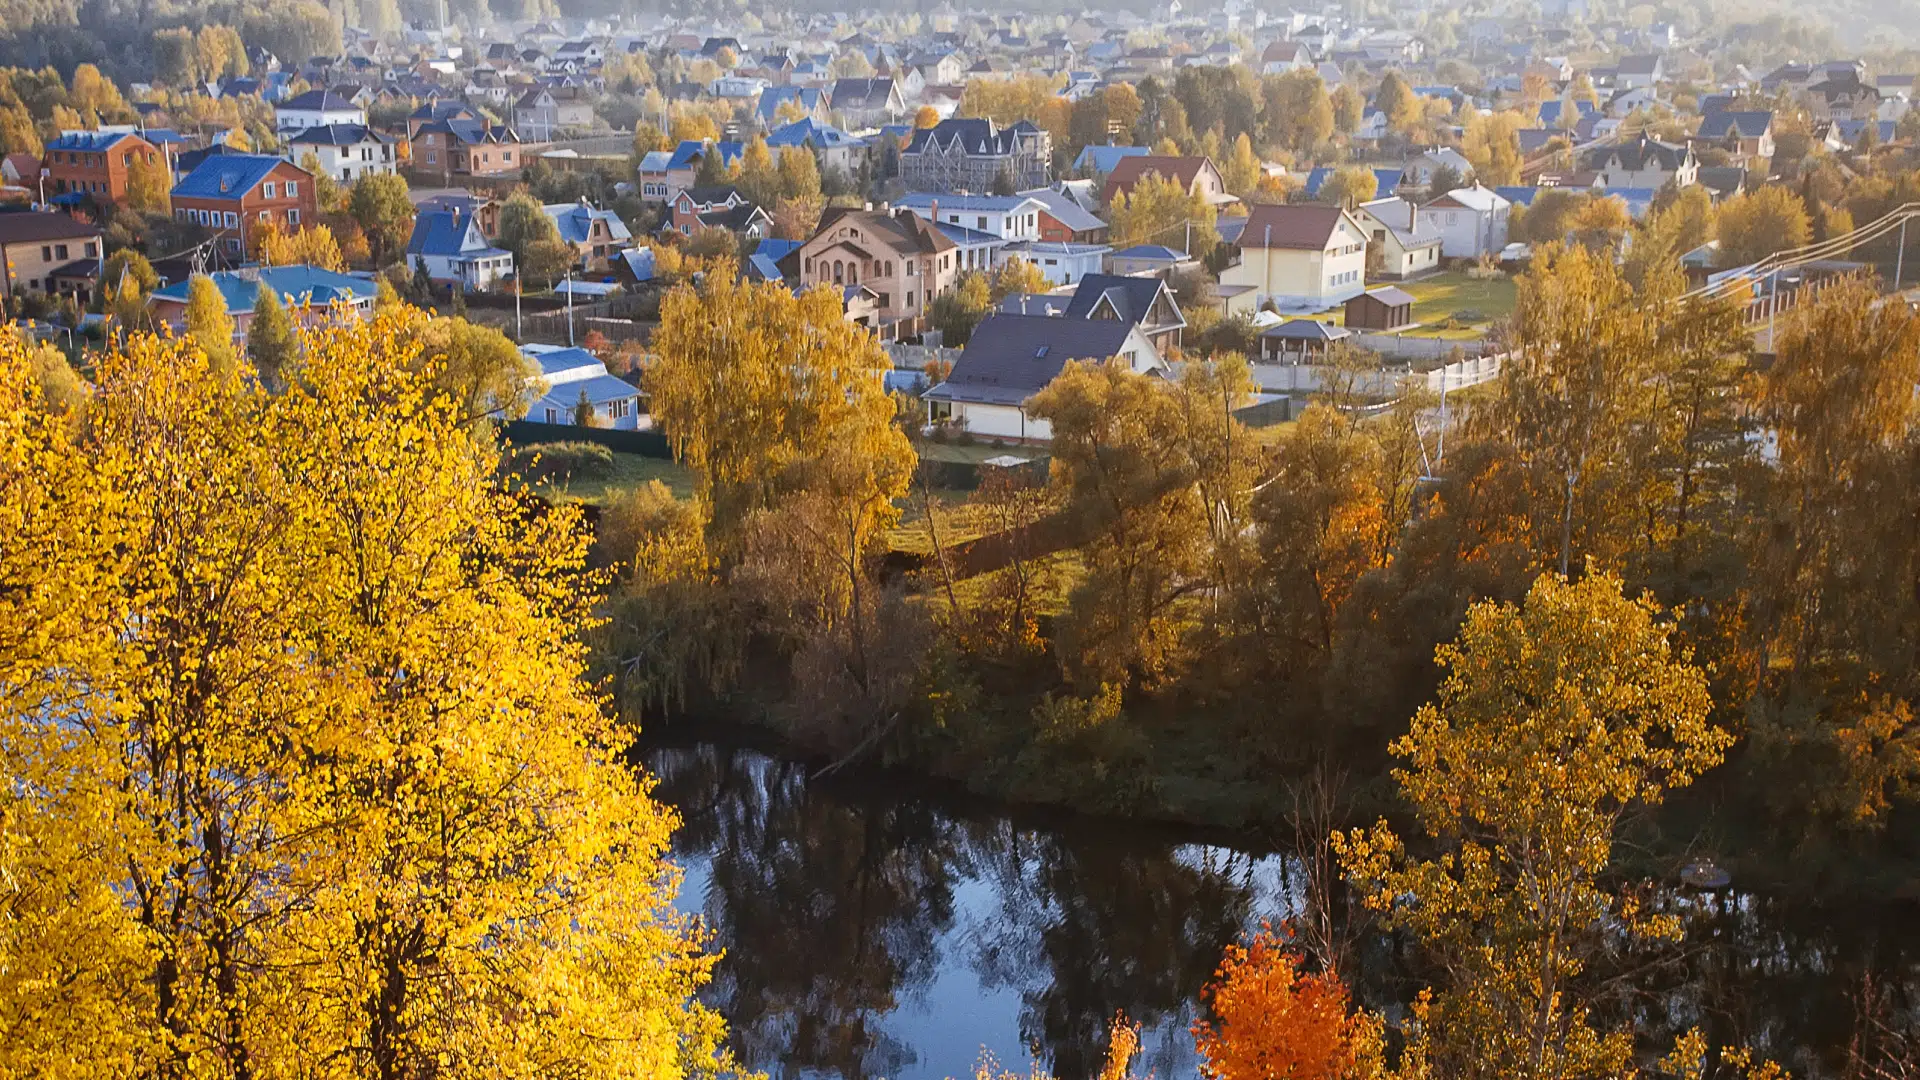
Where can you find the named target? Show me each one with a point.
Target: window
(93, 250)
(432, 158)
(46, 253)
(982, 222)
(60, 252)
(266, 216)
(553, 416)
(293, 189)
(233, 245)
(266, 190)
(909, 297)
(293, 216)
(233, 220)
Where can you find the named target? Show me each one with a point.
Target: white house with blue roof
(450, 245)
(574, 380)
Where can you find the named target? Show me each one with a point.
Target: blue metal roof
(226, 176)
(809, 98)
(808, 133)
(1519, 196)
(575, 222)
(1104, 158)
(1151, 251)
(295, 284)
(90, 141)
(639, 262)
(689, 149)
(445, 232)
(599, 389)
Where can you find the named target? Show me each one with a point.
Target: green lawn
(1442, 296)
(629, 471)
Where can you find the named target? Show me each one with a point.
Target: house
(450, 245)
(484, 211)
(1152, 259)
(1061, 263)
(683, 166)
(544, 113)
(321, 295)
(835, 150)
(1471, 221)
(1146, 302)
(314, 108)
(1747, 136)
(466, 148)
(808, 101)
(236, 194)
(976, 155)
(1399, 246)
(598, 236)
(1063, 220)
(1283, 56)
(1385, 308)
(51, 254)
(1300, 341)
(1196, 174)
(652, 173)
(93, 164)
(904, 259)
(576, 382)
(439, 109)
(1300, 257)
(718, 207)
(863, 103)
(1842, 97)
(1010, 358)
(1642, 162)
(1643, 71)
(345, 152)
(1009, 217)
(1098, 161)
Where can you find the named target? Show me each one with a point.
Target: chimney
(1413, 215)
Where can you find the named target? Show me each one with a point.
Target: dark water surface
(872, 931)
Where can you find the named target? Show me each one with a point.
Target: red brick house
(235, 194)
(94, 164)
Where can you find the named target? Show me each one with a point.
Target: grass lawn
(1436, 299)
(629, 471)
(973, 453)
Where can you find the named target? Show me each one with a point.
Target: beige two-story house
(902, 258)
(1299, 258)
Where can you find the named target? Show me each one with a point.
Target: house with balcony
(450, 245)
(904, 259)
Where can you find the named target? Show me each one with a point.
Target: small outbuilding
(1384, 308)
(1299, 341)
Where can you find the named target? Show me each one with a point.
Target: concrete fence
(1413, 349)
(1379, 383)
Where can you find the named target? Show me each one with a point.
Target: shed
(1385, 308)
(1299, 341)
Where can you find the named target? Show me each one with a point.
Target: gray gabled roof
(1010, 358)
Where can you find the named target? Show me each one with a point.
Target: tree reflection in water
(840, 904)
(836, 907)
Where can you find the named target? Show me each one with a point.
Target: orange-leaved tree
(1273, 1020)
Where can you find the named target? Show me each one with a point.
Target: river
(872, 931)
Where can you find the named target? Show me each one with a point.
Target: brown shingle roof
(1129, 171)
(27, 227)
(1276, 225)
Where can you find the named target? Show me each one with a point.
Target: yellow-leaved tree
(1160, 210)
(303, 778)
(1556, 718)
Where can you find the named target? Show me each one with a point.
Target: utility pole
(1900, 257)
(569, 306)
(518, 331)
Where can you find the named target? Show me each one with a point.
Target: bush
(562, 461)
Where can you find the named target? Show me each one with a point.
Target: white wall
(1000, 422)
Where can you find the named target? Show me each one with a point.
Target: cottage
(1009, 217)
(1300, 257)
(1642, 163)
(450, 245)
(579, 390)
(1061, 263)
(864, 103)
(1010, 358)
(1470, 221)
(311, 293)
(1063, 220)
(835, 150)
(466, 148)
(1399, 246)
(544, 113)
(721, 206)
(597, 236)
(1147, 303)
(50, 254)
(1196, 174)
